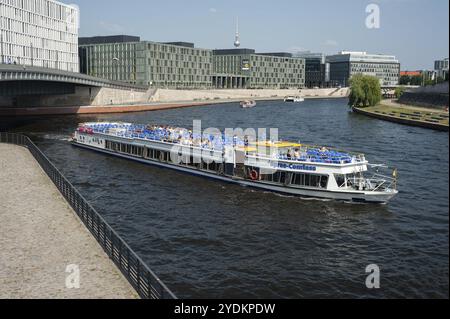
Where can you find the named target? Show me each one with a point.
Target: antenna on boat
(237, 42)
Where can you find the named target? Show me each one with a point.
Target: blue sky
(416, 31)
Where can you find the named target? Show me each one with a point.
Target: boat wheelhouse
(282, 167)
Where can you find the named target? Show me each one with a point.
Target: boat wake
(56, 137)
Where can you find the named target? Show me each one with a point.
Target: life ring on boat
(254, 175)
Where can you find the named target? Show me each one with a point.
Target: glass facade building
(244, 68)
(441, 68)
(179, 65)
(42, 33)
(346, 64)
(163, 65)
(316, 69)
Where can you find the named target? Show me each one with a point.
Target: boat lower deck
(219, 174)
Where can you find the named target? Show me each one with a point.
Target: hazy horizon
(415, 31)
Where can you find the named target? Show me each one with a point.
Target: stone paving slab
(40, 236)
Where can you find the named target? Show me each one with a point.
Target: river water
(206, 239)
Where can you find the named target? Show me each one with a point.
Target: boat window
(324, 181)
(267, 177)
(310, 180)
(340, 180)
(282, 177)
(276, 177)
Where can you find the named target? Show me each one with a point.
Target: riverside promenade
(165, 99)
(391, 111)
(41, 235)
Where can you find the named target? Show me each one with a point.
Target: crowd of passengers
(181, 136)
(186, 137)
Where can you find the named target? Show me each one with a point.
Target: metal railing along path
(146, 283)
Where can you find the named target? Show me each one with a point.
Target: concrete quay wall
(166, 95)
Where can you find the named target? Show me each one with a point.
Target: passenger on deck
(246, 143)
(197, 143)
(289, 154)
(297, 154)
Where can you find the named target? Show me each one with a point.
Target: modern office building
(112, 57)
(317, 71)
(441, 68)
(244, 68)
(346, 64)
(42, 33)
(163, 65)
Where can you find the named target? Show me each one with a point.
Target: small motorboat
(294, 99)
(248, 104)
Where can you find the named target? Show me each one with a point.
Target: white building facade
(441, 68)
(41, 33)
(348, 63)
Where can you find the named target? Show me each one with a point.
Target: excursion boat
(248, 104)
(294, 99)
(282, 167)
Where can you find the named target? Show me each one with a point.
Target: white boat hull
(354, 196)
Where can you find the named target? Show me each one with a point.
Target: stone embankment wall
(87, 96)
(434, 100)
(435, 96)
(165, 95)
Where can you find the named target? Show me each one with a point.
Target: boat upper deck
(278, 150)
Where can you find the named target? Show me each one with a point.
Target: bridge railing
(32, 73)
(139, 275)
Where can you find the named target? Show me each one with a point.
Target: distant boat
(248, 104)
(294, 99)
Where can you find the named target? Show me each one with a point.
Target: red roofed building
(411, 73)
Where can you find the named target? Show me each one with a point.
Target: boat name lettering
(299, 167)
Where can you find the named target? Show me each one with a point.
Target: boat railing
(336, 160)
(138, 274)
(376, 183)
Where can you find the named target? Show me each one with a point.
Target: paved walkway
(394, 103)
(40, 235)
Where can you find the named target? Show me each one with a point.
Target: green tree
(399, 91)
(365, 91)
(411, 80)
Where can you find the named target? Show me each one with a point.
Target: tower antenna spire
(237, 41)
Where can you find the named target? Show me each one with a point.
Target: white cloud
(296, 49)
(213, 10)
(331, 43)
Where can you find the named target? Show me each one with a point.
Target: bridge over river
(28, 86)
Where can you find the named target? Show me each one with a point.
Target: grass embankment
(410, 113)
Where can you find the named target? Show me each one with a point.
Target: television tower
(237, 42)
